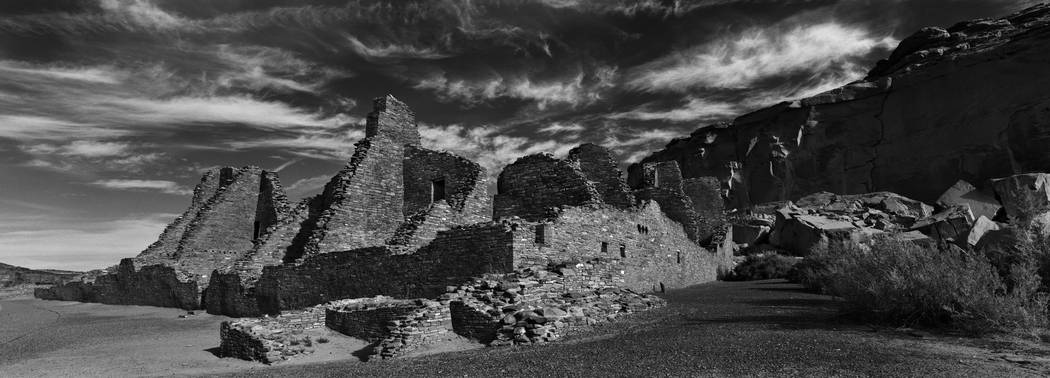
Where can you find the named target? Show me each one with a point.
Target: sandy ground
(766, 328)
(52, 338)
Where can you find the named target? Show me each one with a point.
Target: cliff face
(969, 102)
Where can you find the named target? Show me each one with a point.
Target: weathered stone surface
(980, 228)
(952, 224)
(695, 203)
(1025, 197)
(965, 194)
(930, 115)
(228, 208)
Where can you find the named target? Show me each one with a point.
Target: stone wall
(153, 285)
(454, 256)
(536, 185)
(363, 203)
(655, 250)
(602, 170)
(540, 304)
(397, 327)
(272, 204)
(694, 203)
(167, 245)
(392, 119)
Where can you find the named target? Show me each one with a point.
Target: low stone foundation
(531, 305)
(398, 327)
(271, 339)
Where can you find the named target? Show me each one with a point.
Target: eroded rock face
(931, 114)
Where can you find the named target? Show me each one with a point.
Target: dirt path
(721, 329)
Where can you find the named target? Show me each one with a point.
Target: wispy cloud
(742, 60)
(393, 51)
(488, 146)
(694, 109)
(576, 90)
(162, 186)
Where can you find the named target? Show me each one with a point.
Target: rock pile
(537, 305)
(962, 217)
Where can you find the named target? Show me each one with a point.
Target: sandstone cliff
(967, 102)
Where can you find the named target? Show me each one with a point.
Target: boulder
(965, 194)
(951, 224)
(981, 226)
(802, 233)
(1025, 197)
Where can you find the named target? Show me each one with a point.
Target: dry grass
(899, 282)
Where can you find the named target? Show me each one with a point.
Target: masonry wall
(154, 285)
(167, 245)
(272, 204)
(536, 185)
(453, 257)
(396, 326)
(363, 203)
(656, 251)
(225, 222)
(598, 166)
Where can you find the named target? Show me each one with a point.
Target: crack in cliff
(882, 138)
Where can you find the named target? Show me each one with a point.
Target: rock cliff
(968, 102)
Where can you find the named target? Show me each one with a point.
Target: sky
(110, 110)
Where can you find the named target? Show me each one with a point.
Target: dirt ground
(765, 328)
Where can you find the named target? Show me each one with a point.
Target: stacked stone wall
(453, 257)
(167, 245)
(363, 203)
(656, 251)
(153, 285)
(601, 169)
(397, 327)
(535, 186)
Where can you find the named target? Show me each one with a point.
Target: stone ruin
(564, 244)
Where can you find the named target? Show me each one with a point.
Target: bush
(763, 267)
(900, 282)
(322, 340)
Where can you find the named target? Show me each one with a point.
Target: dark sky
(111, 109)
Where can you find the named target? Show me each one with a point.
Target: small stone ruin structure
(564, 243)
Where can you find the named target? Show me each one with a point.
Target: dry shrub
(900, 282)
(763, 267)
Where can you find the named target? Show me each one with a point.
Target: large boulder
(952, 224)
(965, 194)
(982, 226)
(1025, 197)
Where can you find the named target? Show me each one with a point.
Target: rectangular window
(605, 247)
(541, 234)
(623, 251)
(437, 190)
(679, 257)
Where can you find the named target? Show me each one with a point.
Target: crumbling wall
(600, 168)
(655, 250)
(364, 203)
(535, 186)
(688, 202)
(153, 285)
(272, 204)
(167, 245)
(537, 305)
(454, 256)
(397, 327)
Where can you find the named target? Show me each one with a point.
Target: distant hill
(11, 275)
